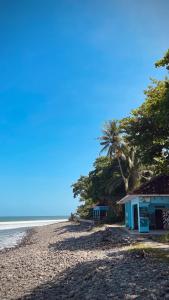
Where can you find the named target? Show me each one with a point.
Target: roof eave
(128, 198)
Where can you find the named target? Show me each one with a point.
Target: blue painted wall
(146, 209)
(128, 221)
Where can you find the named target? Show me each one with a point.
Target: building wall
(158, 202)
(129, 212)
(134, 201)
(100, 212)
(146, 211)
(144, 222)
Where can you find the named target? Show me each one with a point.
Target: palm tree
(127, 156)
(112, 142)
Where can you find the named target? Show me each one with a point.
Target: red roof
(157, 185)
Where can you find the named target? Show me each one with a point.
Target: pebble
(69, 261)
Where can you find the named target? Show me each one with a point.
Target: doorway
(159, 219)
(135, 210)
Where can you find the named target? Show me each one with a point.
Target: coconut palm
(127, 156)
(112, 142)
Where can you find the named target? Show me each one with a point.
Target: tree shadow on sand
(72, 228)
(118, 277)
(102, 239)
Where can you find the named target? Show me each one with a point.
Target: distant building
(100, 212)
(147, 207)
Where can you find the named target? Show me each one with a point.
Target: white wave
(9, 239)
(28, 224)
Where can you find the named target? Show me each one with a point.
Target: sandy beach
(69, 261)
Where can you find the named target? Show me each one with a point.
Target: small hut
(147, 207)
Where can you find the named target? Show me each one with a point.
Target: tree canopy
(136, 148)
(148, 126)
(164, 62)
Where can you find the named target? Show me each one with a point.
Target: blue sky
(65, 68)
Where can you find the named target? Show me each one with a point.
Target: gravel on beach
(69, 261)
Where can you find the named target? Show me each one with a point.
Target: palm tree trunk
(126, 181)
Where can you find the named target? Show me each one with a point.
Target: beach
(13, 230)
(72, 261)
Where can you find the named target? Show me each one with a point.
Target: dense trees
(126, 154)
(148, 126)
(112, 142)
(136, 148)
(102, 184)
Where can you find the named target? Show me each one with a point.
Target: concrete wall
(129, 212)
(146, 209)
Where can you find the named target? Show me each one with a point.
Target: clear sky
(65, 68)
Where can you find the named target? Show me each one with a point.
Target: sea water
(11, 237)
(13, 229)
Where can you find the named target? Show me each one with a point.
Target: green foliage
(81, 188)
(106, 180)
(103, 183)
(85, 210)
(111, 140)
(148, 126)
(115, 214)
(164, 62)
(126, 154)
(137, 147)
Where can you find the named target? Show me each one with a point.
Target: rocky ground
(69, 261)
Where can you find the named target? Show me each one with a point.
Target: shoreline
(70, 261)
(25, 240)
(28, 227)
(4, 225)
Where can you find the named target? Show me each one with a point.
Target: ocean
(13, 229)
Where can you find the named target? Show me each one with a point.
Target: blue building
(147, 207)
(100, 212)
